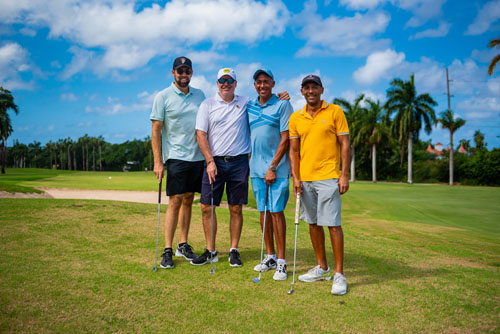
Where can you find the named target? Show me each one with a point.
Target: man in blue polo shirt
(174, 144)
(269, 166)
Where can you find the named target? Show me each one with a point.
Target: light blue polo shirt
(266, 124)
(178, 112)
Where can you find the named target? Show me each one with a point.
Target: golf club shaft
(297, 214)
(158, 224)
(263, 230)
(212, 270)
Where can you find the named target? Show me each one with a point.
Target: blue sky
(78, 67)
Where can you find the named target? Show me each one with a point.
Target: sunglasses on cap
(182, 71)
(228, 80)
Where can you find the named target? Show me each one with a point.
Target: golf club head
(155, 269)
(256, 280)
(212, 271)
(290, 291)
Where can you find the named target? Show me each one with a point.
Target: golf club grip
(297, 209)
(159, 192)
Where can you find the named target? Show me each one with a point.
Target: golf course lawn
(418, 259)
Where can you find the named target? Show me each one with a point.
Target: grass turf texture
(421, 259)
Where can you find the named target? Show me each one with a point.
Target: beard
(182, 82)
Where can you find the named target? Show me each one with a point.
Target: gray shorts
(320, 202)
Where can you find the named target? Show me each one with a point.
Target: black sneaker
(205, 258)
(234, 259)
(185, 251)
(166, 259)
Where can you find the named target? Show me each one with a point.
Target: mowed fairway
(419, 259)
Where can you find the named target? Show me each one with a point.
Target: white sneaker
(280, 274)
(316, 274)
(339, 286)
(267, 263)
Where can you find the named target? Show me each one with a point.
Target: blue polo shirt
(178, 112)
(266, 124)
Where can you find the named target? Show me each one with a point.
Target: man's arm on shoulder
(346, 159)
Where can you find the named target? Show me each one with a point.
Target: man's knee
(187, 198)
(175, 200)
(235, 209)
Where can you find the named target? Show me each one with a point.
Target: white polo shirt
(226, 125)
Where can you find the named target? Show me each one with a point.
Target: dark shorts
(234, 175)
(183, 176)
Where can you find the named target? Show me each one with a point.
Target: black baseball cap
(182, 61)
(312, 78)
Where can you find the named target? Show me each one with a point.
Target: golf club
(297, 213)
(212, 271)
(255, 279)
(155, 268)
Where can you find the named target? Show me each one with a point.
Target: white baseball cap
(226, 71)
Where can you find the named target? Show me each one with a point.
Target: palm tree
(68, 143)
(353, 113)
(51, 146)
(147, 144)
(479, 140)
(495, 42)
(6, 104)
(448, 121)
(411, 110)
(374, 130)
(100, 141)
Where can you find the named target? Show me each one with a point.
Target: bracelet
(209, 162)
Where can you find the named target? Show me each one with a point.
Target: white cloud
(128, 36)
(351, 95)
(80, 60)
(70, 97)
(341, 35)
(378, 65)
(28, 32)
(143, 103)
(13, 60)
(423, 10)
(207, 60)
(209, 87)
(441, 31)
(487, 15)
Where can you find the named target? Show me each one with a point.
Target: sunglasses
(228, 80)
(182, 71)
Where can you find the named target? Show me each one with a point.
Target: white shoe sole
(214, 260)
(283, 278)
(263, 270)
(179, 254)
(167, 267)
(309, 280)
(339, 293)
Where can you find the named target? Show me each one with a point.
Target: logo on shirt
(323, 121)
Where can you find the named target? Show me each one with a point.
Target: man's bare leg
(185, 216)
(279, 229)
(337, 239)
(205, 212)
(171, 218)
(318, 241)
(235, 224)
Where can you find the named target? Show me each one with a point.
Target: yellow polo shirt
(319, 147)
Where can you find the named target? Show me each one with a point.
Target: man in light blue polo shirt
(174, 144)
(269, 166)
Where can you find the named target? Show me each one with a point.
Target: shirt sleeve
(286, 112)
(340, 121)
(202, 117)
(158, 112)
(292, 127)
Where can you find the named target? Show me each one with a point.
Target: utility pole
(451, 133)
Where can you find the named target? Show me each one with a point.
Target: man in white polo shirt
(224, 138)
(174, 143)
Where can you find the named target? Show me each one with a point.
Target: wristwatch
(272, 168)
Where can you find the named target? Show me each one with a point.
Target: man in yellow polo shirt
(319, 137)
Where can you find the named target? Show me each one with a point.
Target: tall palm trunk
(74, 159)
(69, 159)
(87, 160)
(3, 155)
(374, 163)
(100, 158)
(451, 158)
(410, 158)
(353, 172)
(93, 158)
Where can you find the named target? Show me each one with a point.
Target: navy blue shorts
(183, 176)
(231, 174)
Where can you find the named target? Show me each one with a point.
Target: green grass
(418, 259)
